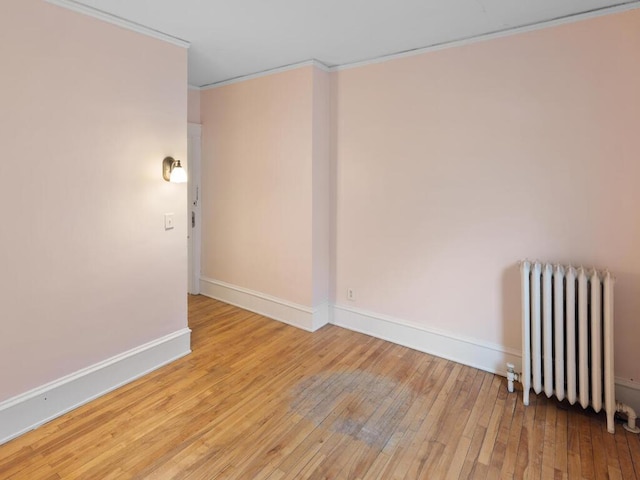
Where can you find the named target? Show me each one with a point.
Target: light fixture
(172, 171)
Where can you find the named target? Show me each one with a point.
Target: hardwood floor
(258, 399)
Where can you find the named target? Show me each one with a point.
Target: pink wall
(453, 165)
(257, 185)
(321, 180)
(88, 271)
(445, 170)
(265, 184)
(193, 106)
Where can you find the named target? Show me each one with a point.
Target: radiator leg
(630, 426)
(611, 426)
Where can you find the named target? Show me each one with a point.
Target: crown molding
(119, 21)
(632, 5)
(623, 7)
(264, 73)
(113, 19)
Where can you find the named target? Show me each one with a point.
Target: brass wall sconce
(172, 171)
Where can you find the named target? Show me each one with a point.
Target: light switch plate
(168, 221)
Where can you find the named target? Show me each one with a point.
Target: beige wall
(87, 271)
(453, 165)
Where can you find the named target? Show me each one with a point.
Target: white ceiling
(232, 38)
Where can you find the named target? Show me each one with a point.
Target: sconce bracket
(167, 164)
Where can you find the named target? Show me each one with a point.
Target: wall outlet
(351, 294)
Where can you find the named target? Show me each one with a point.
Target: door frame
(194, 198)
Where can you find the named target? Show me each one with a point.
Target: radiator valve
(512, 376)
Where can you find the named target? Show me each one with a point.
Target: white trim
(300, 316)
(194, 202)
(468, 351)
(193, 87)
(119, 21)
(264, 73)
(320, 316)
(323, 66)
(493, 35)
(194, 129)
(29, 410)
(122, 22)
(628, 392)
(632, 5)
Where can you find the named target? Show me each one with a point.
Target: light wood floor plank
(633, 441)
(510, 456)
(586, 449)
(549, 446)
(624, 456)
(499, 451)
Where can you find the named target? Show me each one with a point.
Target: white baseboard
(468, 351)
(628, 392)
(29, 410)
(320, 316)
(301, 316)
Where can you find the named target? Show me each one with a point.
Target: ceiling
(233, 38)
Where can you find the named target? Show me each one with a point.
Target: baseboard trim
(301, 316)
(628, 392)
(467, 351)
(30, 410)
(320, 316)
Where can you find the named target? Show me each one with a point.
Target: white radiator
(567, 337)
